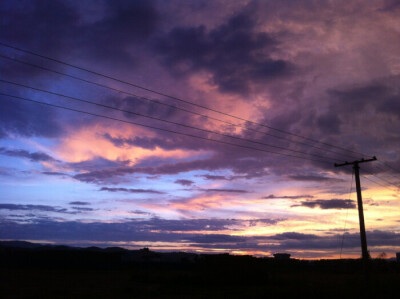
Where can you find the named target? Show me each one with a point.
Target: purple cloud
(33, 156)
(328, 204)
(184, 182)
(130, 190)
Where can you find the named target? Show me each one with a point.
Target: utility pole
(365, 254)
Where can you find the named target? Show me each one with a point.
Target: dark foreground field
(62, 272)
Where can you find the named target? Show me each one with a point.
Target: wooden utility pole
(365, 254)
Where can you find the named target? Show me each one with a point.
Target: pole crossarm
(356, 162)
(363, 235)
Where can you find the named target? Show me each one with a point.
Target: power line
(381, 178)
(160, 129)
(168, 105)
(369, 179)
(179, 108)
(163, 120)
(391, 167)
(164, 104)
(175, 98)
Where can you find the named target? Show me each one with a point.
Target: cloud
(55, 173)
(94, 164)
(294, 236)
(215, 239)
(129, 23)
(184, 182)
(214, 177)
(59, 25)
(154, 229)
(224, 190)
(131, 190)
(79, 203)
(33, 156)
(83, 209)
(140, 212)
(161, 230)
(220, 160)
(328, 204)
(235, 53)
(312, 178)
(254, 222)
(41, 208)
(272, 196)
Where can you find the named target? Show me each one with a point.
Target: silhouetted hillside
(44, 271)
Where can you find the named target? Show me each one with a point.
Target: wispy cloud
(41, 208)
(327, 204)
(79, 203)
(33, 156)
(184, 182)
(131, 190)
(272, 196)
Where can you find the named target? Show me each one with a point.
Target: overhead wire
(380, 178)
(174, 98)
(165, 104)
(391, 167)
(160, 129)
(163, 120)
(375, 182)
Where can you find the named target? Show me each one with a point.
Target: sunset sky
(308, 83)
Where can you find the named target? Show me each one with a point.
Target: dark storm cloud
(357, 98)
(124, 23)
(45, 24)
(235, 53)
(33, 156)
(391, 105)
(328, 204)
(380, 96)
(131, 190)
(184, 182)
(54, 27)
(390, 6)
(329, 123)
